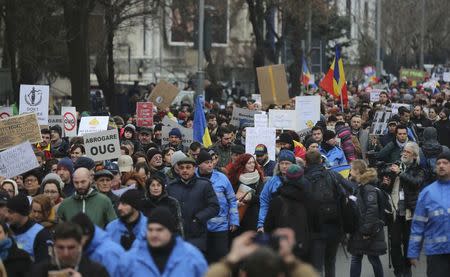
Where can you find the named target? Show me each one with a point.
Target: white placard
(102, 146)
(34, 99)
(446, 77)
(307, 109)
(6, 112)
(69, 115)
(93, 124)
(375, 95)
(261, 120)
(283, 119)
(395, 106)
(257, 98)
(187, 135)
(241, 116)
(54, 120)
(17, 160)
(255, 136)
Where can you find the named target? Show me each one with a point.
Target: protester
(103, 183)
(51, 187)
(10, 186)
(43, 212)
(76, 151)
(431, 149)
(262, 157)
(333, 154)
(223, 147)
(32, 181)
(443, 127)
(17, 262)
(65, 171)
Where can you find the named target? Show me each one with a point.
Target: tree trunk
(111, 93)
(11, 45)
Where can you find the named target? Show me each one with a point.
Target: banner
(34, 99)
(307, 110)
(412, 74)
(69, 115)
(17, 160)
(241, 116)
(144, 114)
(54, 120)
(283, 119)
(163, 95)
(102, 146)
(17, 129)
(187, 135)
(273, 84)
(93, 124)
(6, 112)
(255, 136)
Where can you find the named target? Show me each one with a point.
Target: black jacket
(85, 268)
(443, 131)
(198, 203)
(18, 263)
(412, 180)
(164, 200)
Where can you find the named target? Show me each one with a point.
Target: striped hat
(294, 173)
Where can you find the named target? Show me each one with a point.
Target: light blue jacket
(271, 186)
(185, 260)
(116, 229)
(334, 157)
(25, 241)
(228, 213)
(431, 221)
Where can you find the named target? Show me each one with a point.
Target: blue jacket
(228, 213)
(269, 167)
(270, 188)
(185, 260)
(431, 221)
(25, 241)
(334, 157)
(116, 229)
(104, 251)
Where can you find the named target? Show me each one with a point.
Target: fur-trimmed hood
(369, 176)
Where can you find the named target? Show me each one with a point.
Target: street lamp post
(200, 73)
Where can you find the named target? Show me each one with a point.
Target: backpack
(385, 209)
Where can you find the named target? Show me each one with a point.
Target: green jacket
(390, 153)
(224, 154)
(97, 206)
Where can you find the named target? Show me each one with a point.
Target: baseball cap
(125, 163)
(260, 150)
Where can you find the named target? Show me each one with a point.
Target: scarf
(401, 145)
(249, 178)
(5, 245)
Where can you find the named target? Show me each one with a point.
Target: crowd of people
(164, 208)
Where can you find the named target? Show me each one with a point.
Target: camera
(264, 239)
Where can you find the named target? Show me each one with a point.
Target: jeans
(438, 265)
(399, 231)
(323, 255)
(217, 246)
(355, 268)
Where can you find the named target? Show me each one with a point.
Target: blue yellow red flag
(334, 81)
(201, 132)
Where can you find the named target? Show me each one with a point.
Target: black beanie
(19, 204)
(328, 135)
(132, 197)
(162, 215)
(152, 152)
(203, 156)
(85, 162)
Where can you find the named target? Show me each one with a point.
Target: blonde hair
(360, 166)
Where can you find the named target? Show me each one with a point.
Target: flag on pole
(201, 132)
(334, 81)
(306, 75)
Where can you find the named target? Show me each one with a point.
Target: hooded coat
(443, 129)
(431, 149)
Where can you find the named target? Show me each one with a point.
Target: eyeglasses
(30, 180)
(51, 191)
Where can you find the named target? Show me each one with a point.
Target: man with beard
(155, 161)
(404, 194)
(262, 157)
(44, 146)
(59, 147)
(212, 126)
(68, 258)
(361, 135)
(430, 222)
(96, 205)
(131, 223)
(65, 170)
(157, 135)
(223, 147)
(145, 139)
(175, 140)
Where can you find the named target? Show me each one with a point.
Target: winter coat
(443, 129)
(270, 188)
(34, 239)
(390, 153)
(345, 134)
(224, 154)
(411, 180)
(269, 167)
(369, 222)
(228, 213)
(86, 267)
(117, 228)
(185, 260)
(97, 206)
(334, 157)
(431, 149)
(430, 224)
(249, 220)
(171, 176)
(61, 150)
(198, 203)
(103, 250)
(18, 263)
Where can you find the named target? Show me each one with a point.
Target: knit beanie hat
(285, 137)
(177, 156)
(175, 132)
(51, 177)
(130, 128)
(152, 152)
(132, 197)
(19, 204)
(294, 173)
(13, 183)
(84, 162)
(162, 215)
(286, 155)
(444, 155)
(328, 135)
(203, 156)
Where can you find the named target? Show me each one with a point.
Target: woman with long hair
(43, 211)
(247, 179)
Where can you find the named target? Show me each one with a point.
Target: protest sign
(412, 74)
(54, 120)
(102, 146)
(6, 112)
(273, 85)
(261, 120)
(169, 122)
(163, 95)
(380, 122)
(184, 96)
(187, 135)
(17, 160)
(255, 136)
(283, 119)
(446, 77)
(243, 116)
(69, 115)
(17, 129)
(395, 106)
(144, 112)
(307, 110)
(375, 95)
(93, 124)
(257, 98)
(34, 99)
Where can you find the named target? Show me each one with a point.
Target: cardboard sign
(93, 124)
(54, 120)
(241, 116)
(273, 84)
(307, 110)
(163, 95)
(34, 99)
(69, 115)
(102, 146)
(144, 112)
(412, 74)
(255, 136)
(187, 135)
(395, 106)
(283, 119)
(261, 120)
(17, 160)
(6, 112)
(17, 129)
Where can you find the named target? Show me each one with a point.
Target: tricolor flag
(201, 132)
(334, 81)
(306, 76)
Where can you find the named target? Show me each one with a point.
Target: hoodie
(431, 147)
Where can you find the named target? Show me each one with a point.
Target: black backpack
(385, 209)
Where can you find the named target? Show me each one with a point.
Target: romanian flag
(306, 76)
(334, 81)
(201, 132)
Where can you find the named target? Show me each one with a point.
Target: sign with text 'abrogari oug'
(102, 146)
